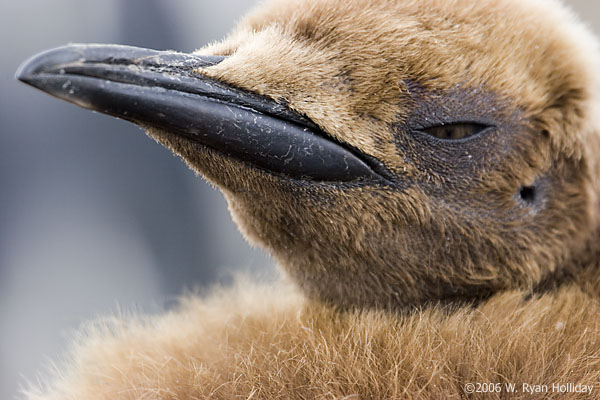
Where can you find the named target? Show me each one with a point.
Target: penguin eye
(454, 131)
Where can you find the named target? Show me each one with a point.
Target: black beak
(162, 89)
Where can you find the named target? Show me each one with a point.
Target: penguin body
(269, 342)
(425, 172)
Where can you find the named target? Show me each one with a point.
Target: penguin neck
(581, 270)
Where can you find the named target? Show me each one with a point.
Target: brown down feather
(380, 277)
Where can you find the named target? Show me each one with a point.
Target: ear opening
(528, 194)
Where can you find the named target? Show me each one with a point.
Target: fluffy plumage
(270, 343)
(506, 222)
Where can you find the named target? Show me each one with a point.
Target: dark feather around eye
(454, 131)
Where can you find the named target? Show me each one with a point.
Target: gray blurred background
(94, 216)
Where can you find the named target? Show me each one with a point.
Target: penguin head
(387, 153)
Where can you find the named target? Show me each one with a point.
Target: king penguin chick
(425, 172)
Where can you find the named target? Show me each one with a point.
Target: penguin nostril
(527, 194)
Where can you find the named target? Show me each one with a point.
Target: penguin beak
(163, 89)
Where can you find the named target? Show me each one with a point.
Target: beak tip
(25, 72)
(29, 73)
(47, 61)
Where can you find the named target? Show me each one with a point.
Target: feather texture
(262, 342)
